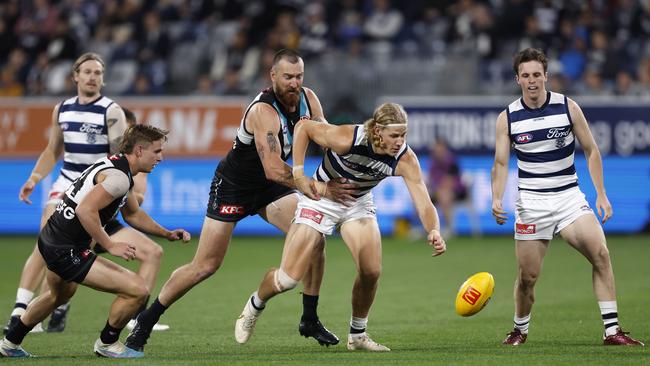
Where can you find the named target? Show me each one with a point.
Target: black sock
(142, 308)
(18, 332)
(21, 305)
(309, 305)
(357, 331)
(109, 334)
(150, 316)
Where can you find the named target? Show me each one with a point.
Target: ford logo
(524, 138)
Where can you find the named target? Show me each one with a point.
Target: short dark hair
(130, 116)
(136, 134)
(286, 54)
(530, 54)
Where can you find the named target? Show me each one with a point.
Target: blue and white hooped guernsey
(361, 164)
(544, 143)
(85, 134)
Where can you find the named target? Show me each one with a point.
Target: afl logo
(524, 138)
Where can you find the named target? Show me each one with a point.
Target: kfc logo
(312, 215)
(525, 229)
(231, 210)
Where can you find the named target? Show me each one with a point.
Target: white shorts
(326, 215)
(58, 188)
(542, 215)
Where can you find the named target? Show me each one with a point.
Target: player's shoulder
(310, 93)
(106, 102)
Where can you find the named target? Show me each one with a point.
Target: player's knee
(601, 258)
(370, 275)
(528, 279)
(205, 270)
(156, 252)
(137, 289)
(151, 251)
(282, 281)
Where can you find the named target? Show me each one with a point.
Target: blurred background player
(84, 128)
(542, 126)
(87, 205)
(254, 179)
(445, 185)
(364, 154)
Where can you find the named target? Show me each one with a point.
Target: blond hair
(87, 57)
(386, 114)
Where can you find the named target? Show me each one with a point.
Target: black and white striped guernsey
(63, 228)
(360, 164)
(544, 143)
(242, 164)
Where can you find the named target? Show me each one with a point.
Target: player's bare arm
(116, 124)
(594, 161)
(409, 169)
(47, 160)
(141, 221)
(140, 187)
(265, 123)
(500, 168)
(87, 212)
(337, 138)
(316, 108)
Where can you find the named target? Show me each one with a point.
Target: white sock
(23, 297)
(358, 324)
(258, 304)
(609, 314)
(522, 323)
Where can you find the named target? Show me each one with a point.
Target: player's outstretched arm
(335, 138)
(408, 168)
(141, 221)
(47, 160)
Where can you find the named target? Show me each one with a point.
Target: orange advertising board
(199, 127)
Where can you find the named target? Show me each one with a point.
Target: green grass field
(413, 312)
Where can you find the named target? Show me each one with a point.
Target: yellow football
(474, 294)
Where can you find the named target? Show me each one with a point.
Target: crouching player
(365, 155)
(88, 204)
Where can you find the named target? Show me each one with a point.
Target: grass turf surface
(413, 312)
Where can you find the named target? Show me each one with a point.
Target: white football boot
(245, 324)
(115, 350)
(363, 342)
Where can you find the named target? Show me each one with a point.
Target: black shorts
(232, 202)
(111, 228)
(70, 263)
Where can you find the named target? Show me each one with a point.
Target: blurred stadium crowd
(355, 50)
